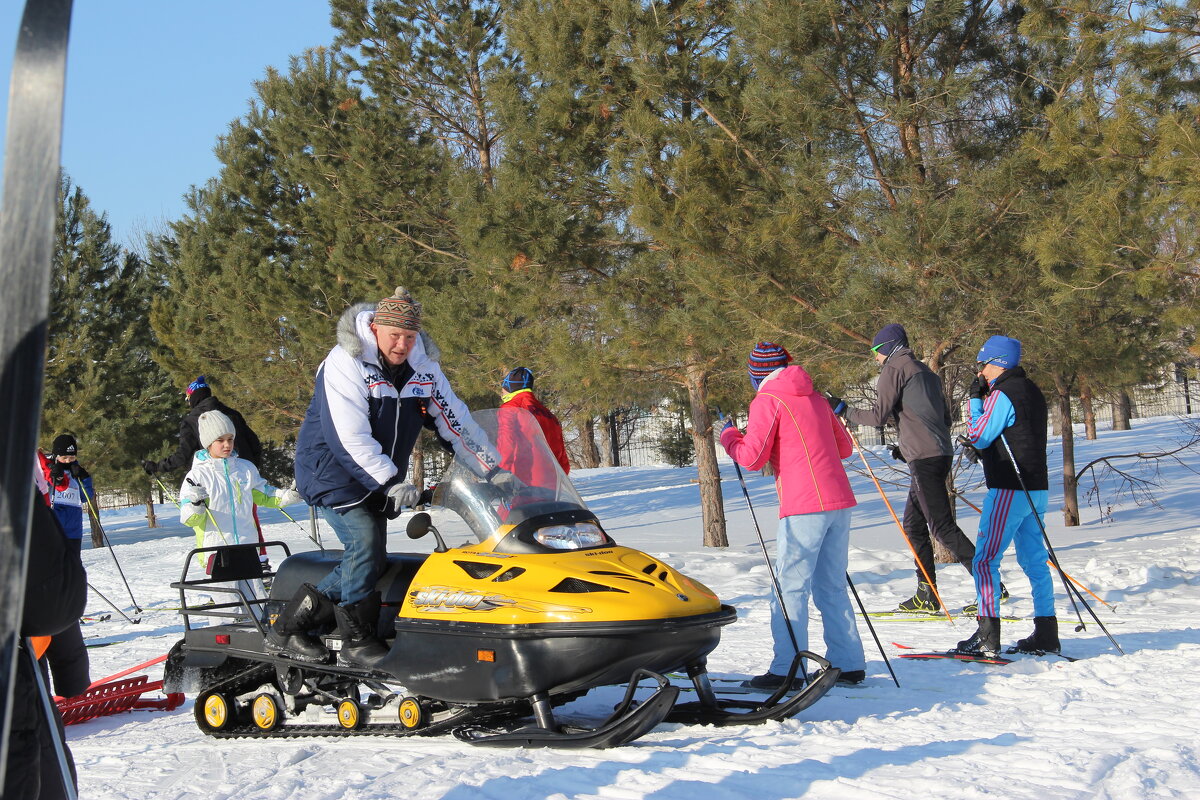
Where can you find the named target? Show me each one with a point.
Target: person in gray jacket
(910, 393)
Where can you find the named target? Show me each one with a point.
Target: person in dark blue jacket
(374, 392)
(70, 487)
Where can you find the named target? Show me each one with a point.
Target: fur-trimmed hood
(355, 337)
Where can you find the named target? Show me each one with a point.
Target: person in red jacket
(518, 393)
(792, 428)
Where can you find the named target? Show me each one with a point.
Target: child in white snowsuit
(219, 493)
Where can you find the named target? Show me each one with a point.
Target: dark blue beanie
(889, 338)
(1001, 351)
(518, 379)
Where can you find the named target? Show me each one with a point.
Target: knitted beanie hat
(214, 425)
(199, 383)
(399, 311)
(1001, 351)
(765, 358)
(889, 338)
(518, 379)
(65, 445)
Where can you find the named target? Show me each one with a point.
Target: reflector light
(485, 655)
(222, 638)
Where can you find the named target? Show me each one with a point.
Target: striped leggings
(1007, 517)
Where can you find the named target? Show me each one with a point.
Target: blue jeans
(1006, 518)
(813, 556)
(363, 534)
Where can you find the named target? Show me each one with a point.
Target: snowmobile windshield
(529, 494)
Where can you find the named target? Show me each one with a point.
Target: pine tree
(101, 383)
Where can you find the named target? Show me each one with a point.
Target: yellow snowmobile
(542, 608)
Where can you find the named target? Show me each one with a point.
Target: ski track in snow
(1106, 726)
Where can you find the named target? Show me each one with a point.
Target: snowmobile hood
(355, 337)
(789, 380)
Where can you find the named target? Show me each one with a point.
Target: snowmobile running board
(717, 711)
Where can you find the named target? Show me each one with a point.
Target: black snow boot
(985, 641)
(289, 634)
(923, 600)
(1044, 638)
(358, 625)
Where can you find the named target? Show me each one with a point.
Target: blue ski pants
(1007, 518)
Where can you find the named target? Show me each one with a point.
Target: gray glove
(504, 480)
(401, 495)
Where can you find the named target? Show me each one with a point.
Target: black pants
(928, 510)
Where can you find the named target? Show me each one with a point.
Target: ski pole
(114, 605)
(1053, 556)
(170, 495)
(108, 542)
(315, 540)
(766, 556)
(928, 580)
(871, 628)
(1080, 584)
(48, 709)
(1070, 577)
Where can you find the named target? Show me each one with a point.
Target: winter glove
(897, 455)
(836, 403)
(399, 496)
(979, 388)
(56, 472)
(287, 497)
(199, 501)
(151, 467)
(969, 450)
(74, 468)
(505, 481)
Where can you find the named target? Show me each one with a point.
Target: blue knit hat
(518, 379)
(765, 358)
(1001, 351)
(889, 338)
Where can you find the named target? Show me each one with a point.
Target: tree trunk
(612, 453)
(93, 522)
(151, 519)
(711, 505)
(1089, 412)
(418, 467)
(1070, 487)
(589, 453)
(1122, 411)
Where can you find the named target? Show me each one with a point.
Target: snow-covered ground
(1108, 725)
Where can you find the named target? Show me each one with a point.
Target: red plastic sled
(112, 696)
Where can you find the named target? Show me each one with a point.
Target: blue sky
(151, 84)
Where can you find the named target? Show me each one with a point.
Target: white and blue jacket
(360, 428)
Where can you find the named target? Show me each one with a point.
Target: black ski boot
(358, 625)
(1044, 638)
(973, 608)
(923, 600)
(985, 641)
(289, 634)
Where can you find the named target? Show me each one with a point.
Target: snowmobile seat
(314, 565)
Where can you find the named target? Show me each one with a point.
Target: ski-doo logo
(438, 598)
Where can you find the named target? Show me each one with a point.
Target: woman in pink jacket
(792, 428)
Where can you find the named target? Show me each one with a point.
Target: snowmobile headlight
(570, 537)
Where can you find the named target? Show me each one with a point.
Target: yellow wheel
(213, 712)
(266, 712)
(412, 716)
(350, 714)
